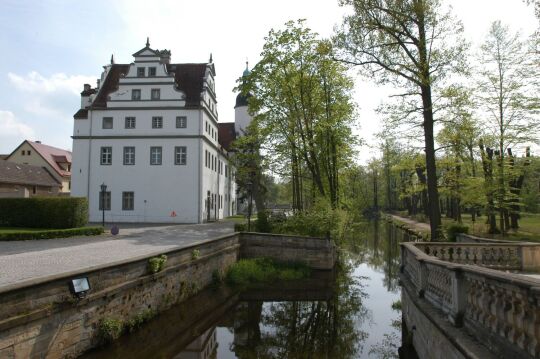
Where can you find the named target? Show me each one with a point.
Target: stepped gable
(189, 78)
(110, 84)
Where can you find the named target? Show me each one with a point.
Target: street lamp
(103, 190)
(250, 189)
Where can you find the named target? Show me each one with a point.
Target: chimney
(37, 141)
(87, 87)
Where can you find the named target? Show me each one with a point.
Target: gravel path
(24, 260)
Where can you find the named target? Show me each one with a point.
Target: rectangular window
(128, 201)
(28, 152)
(23, 153)
(155, 155)
(135, 94)
(140, 71)
(105, 199)
(107, 123)
(157, 122)
(129, 156)
(205, 158)
(226, 171)
(155, 94)
(106, 156)
(130, 122)
(151, 71)
(181, 122)
(180, 155)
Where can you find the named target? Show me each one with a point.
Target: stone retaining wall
(498, 309)
(318, 253)
(41, 318)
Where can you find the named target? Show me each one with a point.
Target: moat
(351, 312)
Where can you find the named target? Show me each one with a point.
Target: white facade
(152, 138)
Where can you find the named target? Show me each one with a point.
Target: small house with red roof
(55, 160)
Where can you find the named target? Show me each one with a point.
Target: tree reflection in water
(342, 314)
(320, 329)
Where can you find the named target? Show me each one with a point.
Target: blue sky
(50, 48)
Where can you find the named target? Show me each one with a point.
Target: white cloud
(60, 82)
(12, 128)
(53, 97)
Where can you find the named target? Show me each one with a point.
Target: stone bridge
(461, 300)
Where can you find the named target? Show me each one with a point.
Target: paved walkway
(25, 260)
(420, 226)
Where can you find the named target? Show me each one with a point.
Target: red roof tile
(226, 134)
(51, 154)
(189, 78)
(17, 173)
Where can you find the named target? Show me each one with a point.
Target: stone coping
(486, 240)
(85, 271)
(511, 278)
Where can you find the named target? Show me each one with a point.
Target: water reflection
(352, 312)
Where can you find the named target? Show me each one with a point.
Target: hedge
(53, 233)
(44, 212)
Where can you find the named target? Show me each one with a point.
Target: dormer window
(151, 72)
(140, 71)
(155, 94)
(135, 94)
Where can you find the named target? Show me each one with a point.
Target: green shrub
(109, 330)
(263, 225)
(453, 229)
(249, 271)
(195, 254)
(44, 212)
(156, 264)
(50, 233)
(138, 320)
(240, 227)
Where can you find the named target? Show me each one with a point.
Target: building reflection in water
(204, 347)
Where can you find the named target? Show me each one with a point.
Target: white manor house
(149, 131)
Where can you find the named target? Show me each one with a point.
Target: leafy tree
(410, 44)
(507, 95)
(304, 110)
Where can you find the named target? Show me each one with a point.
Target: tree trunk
(433, 192)
(487, 165)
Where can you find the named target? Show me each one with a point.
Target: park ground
(529, 226)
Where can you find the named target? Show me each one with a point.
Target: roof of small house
(17, 173)
(52, 155)
(226, 134)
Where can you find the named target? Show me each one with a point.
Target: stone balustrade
(501, 310)
(503, 256)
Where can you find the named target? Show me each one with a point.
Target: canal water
(352, 312)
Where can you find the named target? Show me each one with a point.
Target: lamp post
(250, 189)
(103, 190)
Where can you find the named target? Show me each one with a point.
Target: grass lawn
(22, 233)
(529, 226)
(22, 229)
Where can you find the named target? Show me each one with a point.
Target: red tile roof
(17, 173)
(110, 84)
(53, 156)
(189, 78)
(226, 134)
